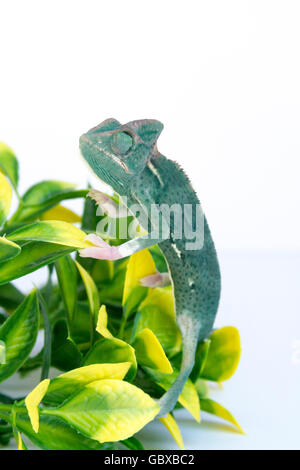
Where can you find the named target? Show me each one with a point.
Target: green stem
(5, 412)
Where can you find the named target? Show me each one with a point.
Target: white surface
(223, 76)
(261, 297)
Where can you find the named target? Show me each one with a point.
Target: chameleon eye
(122, 142)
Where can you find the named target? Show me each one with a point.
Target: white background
(223, 76)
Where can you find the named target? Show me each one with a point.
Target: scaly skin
(146, 177)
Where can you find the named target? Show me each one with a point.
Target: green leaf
(60, 212)
(202, 388)
(32, 257)
(112, 350)
(33, 400)
(200, 359)
(5, 198)
(149, 352)
(10, 297)
(8, 249)
(107, 410)
(19, 334)
(42, 196)
(2, 352)
(55, 434)
(9, 164)
(211, 406)
(223, 355)
(65, 355)
(140, 264)
(52, 231)
(133, 443)
(47, 338)
(93, 297)
(65, 385)
(157, 313)
(67, 279)
(188, 397)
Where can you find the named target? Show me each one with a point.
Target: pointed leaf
(200, 359)
(224, 354)
(173, 428)
(102, 323)
(157, 313)
(19, 334)
(107, 410)
(52, 231)
(211, 406)
(55, 434)
(5, 198)
(112, 350)
(63, 386)
(43, 196)
(21, 445)
(2, 353)
(149, 352)
(8, 249)
(9, 164)
(32, 257)
(67, 279)
(60, 212)
(33, 400)
(188, 399)
(140, 264)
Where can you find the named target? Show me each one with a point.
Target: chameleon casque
(126, 158)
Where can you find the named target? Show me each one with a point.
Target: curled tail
(189, 327)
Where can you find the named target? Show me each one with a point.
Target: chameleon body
(126, 158)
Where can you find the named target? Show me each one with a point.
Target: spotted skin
(146, 177)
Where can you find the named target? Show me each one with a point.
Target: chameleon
(126, 158)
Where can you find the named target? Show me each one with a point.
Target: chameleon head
(118, 153)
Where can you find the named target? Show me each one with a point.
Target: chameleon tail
(190, 333)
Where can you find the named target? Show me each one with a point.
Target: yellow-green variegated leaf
(188, 398)
(33, 256)
(107, 410)
(102, 323)
(157, 313)
(33, 400)
(223, 355)
(67, 279)
(113, 350)
(2, 352)
(60, 212)
(20, 444)
(63, 386)
(42, 197)
(9, 164)
(54, 434)
(8, 249)
(52, 231)
(211, 406)
(140, 264)
(173, 429)
(5, 198)
(19, 333)
(149, 352)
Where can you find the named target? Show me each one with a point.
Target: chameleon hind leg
(189, 327)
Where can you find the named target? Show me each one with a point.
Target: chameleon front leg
(102, 250)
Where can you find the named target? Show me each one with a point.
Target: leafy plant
(115, 342)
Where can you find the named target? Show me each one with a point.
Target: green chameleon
(126, 158)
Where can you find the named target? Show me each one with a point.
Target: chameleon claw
(156, 280)
(100, 250)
